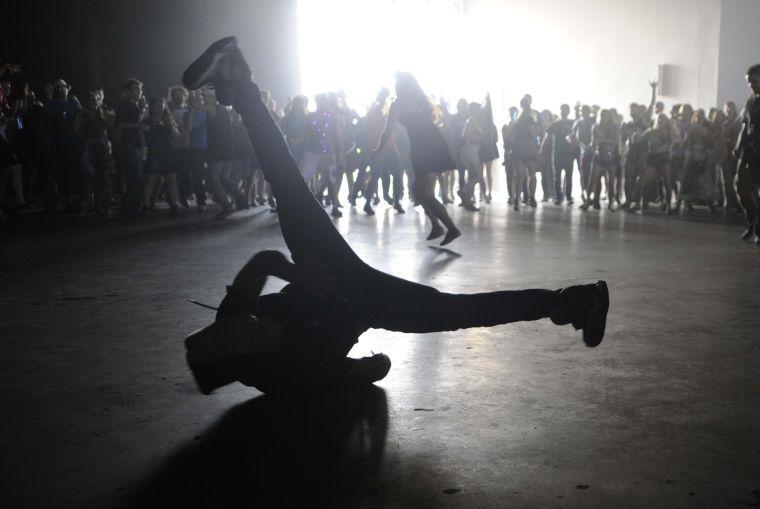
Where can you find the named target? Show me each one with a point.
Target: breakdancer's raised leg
(372, 298)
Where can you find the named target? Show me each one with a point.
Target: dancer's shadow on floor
(270, 452)
(438, 261)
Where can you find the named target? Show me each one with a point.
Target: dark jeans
(381, 300)
(386, 164)
(197, 165)
(563, 163)
(130, 161)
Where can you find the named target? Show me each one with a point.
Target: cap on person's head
(60, 82)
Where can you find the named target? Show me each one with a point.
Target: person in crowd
(604, 141)
(545, 119)
(131, 136)
(524, 154)
(635, 151)
(429, 153)
(243, 165)
(582, 129)
(474, 135)
(65, 158)
(507, 133)
(27, 135)
(320, 162)
(196, 125)
(299, 338)
(181, 153)
(489, 150)
(162, 129)
(10, 169)
(716, 160)
(295, 126)
(262, 188)
(688, 154)
(558, 137)
(221, 153)
(659, 138)
(732, 125)
(372, 130)
(453, 127)
(747, 151)
(94, 127)
(348, 119)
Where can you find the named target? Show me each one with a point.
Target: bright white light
(496, 47)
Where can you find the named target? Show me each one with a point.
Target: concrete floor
(99, 409)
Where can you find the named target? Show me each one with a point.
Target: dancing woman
(605, 139)
(429, 152)
(301, 336)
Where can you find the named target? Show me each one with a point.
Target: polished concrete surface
(99, 409)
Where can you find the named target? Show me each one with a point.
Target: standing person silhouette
(302, 335)
(429, 152)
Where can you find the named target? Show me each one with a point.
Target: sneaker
(218, 66)
(368, 370)
(399, 208)
(368, 209)
(748, 233)
(586, 309)
(451, 235)
(336, 212)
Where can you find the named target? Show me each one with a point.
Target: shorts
(658, 161)
(606, 159)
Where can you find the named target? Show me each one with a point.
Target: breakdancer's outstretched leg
(378, 300)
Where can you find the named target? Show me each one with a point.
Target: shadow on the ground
(271, 452)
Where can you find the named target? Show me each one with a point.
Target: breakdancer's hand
(313, 277)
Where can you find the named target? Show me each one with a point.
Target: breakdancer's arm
(243, 293)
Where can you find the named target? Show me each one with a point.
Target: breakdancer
(299, 338)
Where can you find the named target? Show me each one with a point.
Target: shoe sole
(199, 73)
(593, 333)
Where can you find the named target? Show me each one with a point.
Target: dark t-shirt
(129, 113)
(61, 116)
(559, 130)
(158, 140)
(751, 120)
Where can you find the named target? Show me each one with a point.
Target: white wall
(739, 48)
(594, 51)
(607, 50)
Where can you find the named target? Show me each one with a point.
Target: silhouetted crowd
(63, 153)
